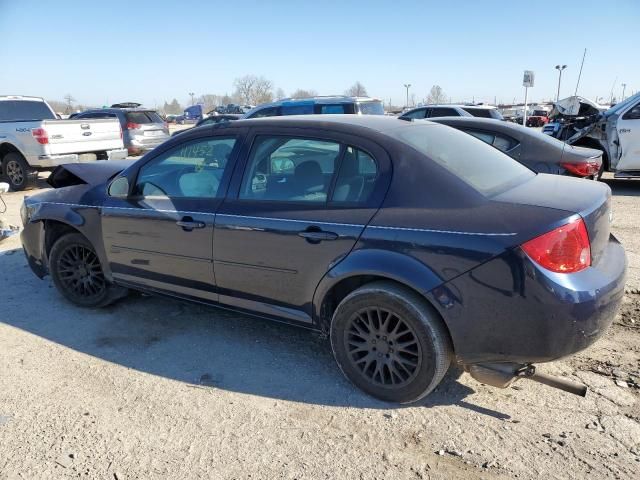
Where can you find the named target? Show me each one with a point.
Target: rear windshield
(371, 108)
(16, 110)
(143, 117)
(483, 167)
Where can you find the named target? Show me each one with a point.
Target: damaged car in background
(616, 131)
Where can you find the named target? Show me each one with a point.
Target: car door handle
(317, 235)
(188, 224)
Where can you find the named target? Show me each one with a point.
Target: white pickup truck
(32, 139)
(615, 131)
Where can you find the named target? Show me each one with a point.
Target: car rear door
(161, 236)
(296, 206)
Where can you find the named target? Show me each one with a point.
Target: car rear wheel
(77, 272)
(17, 171)
(390, 343)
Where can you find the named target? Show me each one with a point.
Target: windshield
(371, 108)
(16, 110)
(483, 167)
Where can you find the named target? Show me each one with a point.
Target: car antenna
(580, 74)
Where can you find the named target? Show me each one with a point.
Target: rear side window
(356, 178)
(289, 169)
(266, 112)
(16, 110)
(443, 112)
(297, 109)
(371, 108)
(328, 109)
(481, 166)
(501, 142)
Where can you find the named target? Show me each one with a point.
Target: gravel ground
(153, 388)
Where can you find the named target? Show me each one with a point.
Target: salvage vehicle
(33, 139)
(410, 244)
(337, 104)
(537, 151)
(432, 111)
(614, 131)
(143, 129)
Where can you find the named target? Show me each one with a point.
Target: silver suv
(142, 129)
(429, 111)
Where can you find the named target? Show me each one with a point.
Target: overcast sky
(151, 51)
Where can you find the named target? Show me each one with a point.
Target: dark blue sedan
(411, 245)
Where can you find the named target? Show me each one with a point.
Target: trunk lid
(591, 200)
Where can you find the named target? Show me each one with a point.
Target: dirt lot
(153, 388)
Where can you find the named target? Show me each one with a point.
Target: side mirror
(119, 188)
(4, 187)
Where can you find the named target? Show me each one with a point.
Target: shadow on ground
(196, 344)
(624, 188)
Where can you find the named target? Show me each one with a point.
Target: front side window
(191, 170)
(633, 114)
(419, 113)
(283, 168)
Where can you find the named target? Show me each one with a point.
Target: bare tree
(436, 95)
(253, 90)
(210, 101)
(302, 93)
(356, 90)
(280, 94)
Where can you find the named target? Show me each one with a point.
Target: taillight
(132, 126)
(41, 135)
(564, 250)
(584, 169)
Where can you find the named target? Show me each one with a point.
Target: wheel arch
(7, 147)
(366, 266)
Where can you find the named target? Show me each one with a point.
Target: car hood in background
(86, 173)
(575, 107)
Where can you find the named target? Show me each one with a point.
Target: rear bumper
(51, 161)
(511, 310)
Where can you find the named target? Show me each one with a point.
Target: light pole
(560, 68)
(192, 95)
(407, 86)
(624, 87)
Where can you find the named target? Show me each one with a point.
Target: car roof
(380, 123)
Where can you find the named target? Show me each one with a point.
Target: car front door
(296, 206)
(160, 235)
(628, 129)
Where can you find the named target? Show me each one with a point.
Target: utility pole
(407, 86)
(560, 68)
(192, 95)
(624, 87)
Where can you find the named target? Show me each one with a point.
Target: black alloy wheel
(383, 347)
(77, 272)
(390, 342)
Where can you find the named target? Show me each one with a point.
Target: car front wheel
(390, 343)
(77, 272)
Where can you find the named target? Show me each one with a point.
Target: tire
(17, 171)
(402, 366)
(77, 273)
